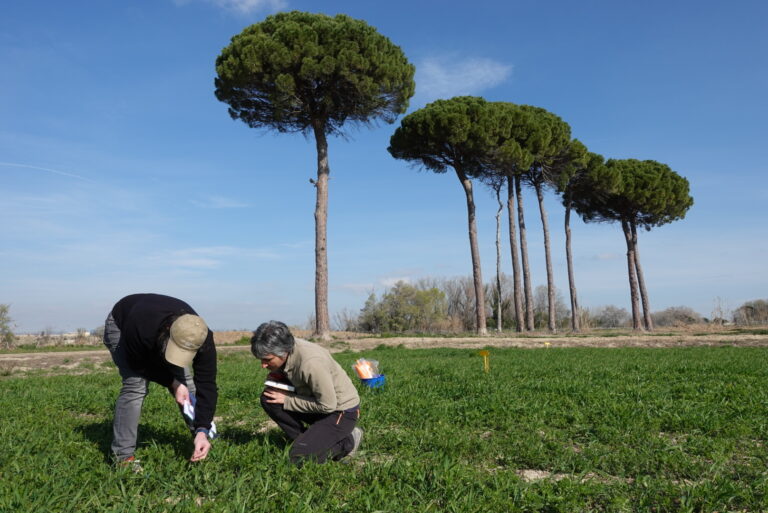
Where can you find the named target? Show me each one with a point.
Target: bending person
(321, 414)
(157, 338)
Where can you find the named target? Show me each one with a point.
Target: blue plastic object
(376, 382)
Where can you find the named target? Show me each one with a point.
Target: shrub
(98, 332)
(7, 338)
(610, 316)
(676, 316)
(752, 312)
(346, 320)
(404, 308)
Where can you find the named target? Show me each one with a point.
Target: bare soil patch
(553, 341)
(80, 361)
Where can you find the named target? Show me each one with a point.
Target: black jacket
(141, 319)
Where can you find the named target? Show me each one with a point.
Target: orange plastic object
(364, 369)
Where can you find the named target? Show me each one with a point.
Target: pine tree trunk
(647, 320)
(552, 325)
(632, 277)
(477, 274)
(322, 320)
(498, 259)
(575, 322)
(518, 295)
(524, 254)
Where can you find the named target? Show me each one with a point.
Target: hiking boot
(357, 438)
(132, 464)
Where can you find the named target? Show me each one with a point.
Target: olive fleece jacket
(321, 384)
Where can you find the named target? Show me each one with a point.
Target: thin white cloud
(367, 288)
(243, 6)
(209, 257)
(358, 288)
(381, 283)
(220, 202)
(197, 263)
(445, 77)
(297, 245)
(607, 256)
(392, 281)
(47, 169)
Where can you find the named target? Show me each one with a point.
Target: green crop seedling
(547, 430)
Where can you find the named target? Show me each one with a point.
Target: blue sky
(120, 172)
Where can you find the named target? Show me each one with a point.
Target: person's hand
(180, 393)
(275, 395)
(202, 446)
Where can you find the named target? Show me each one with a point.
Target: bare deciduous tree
(7, 338)
(610, 317)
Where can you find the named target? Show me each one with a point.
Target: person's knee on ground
(301, 454)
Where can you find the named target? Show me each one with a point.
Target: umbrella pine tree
(647, 194)
(453, 134)
(312, 73)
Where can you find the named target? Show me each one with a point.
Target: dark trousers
(316, 436)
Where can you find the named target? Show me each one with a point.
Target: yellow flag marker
(486, 362)
(546, 344)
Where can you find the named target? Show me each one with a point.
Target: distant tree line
(447, 305)
(46, 337)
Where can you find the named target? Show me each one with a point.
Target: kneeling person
(321, 414)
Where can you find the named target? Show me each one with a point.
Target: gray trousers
(125, 427)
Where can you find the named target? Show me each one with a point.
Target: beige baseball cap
(188, 333)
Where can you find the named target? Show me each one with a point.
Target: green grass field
(546, 430)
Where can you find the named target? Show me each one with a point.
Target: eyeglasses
(268, 359)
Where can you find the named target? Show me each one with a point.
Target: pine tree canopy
(549, 136)
(651, 192)
(459, 132)
(575, 163)
(646, 193)
(535, 144)
(512, 155)
(295, 69)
